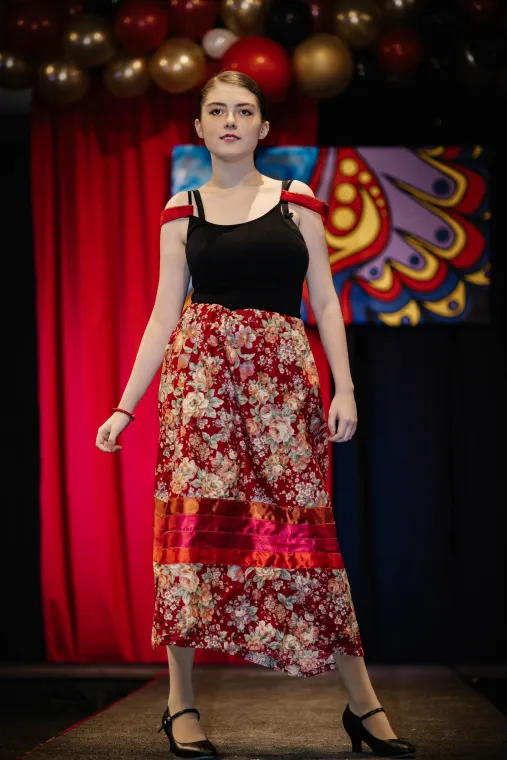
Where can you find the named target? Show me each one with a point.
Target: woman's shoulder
(302, 194)
(178, 199)
(297, 186)
(176, 207)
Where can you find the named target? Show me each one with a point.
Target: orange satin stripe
(289, 561)
(238, 508)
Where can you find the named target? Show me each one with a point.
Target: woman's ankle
(361, 706)
(179, 702)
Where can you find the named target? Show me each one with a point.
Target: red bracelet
(117, 409)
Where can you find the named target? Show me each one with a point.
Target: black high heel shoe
(381, 747)
(199, 750)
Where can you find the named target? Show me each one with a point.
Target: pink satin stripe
(245, 526)
(236, 508)
(247, 543)
(287, 560)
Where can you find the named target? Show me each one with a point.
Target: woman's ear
(264, 130)
(197, 125)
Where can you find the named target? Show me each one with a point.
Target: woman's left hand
(342, 409)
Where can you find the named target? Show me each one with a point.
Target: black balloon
(502, 83)
(482, 12)
(474, 69)
(490, 50)
(438, 27)
(289, 22)
(105, 8)
(368, 75)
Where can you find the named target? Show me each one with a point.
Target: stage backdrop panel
(408, 231)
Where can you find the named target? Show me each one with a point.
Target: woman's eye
(242, 110)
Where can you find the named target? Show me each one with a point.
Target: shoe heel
(199, 750)
(381, 747)
(357, 745)
(357, 742)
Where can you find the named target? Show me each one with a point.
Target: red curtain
(100, 177)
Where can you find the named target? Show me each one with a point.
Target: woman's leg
(186, 728)
(362, 697)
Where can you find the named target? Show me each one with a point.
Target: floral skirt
(246, 558)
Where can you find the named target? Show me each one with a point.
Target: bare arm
(323, 297)
(172, 289)
(342, 413)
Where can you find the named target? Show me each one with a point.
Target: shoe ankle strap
(372, 712)
(186, 710)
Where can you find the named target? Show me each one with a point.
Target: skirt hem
(253, 657)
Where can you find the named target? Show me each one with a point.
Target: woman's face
(229, 109)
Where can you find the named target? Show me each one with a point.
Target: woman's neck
(233, 178)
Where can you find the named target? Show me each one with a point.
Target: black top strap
(200, 207)
(285, 204)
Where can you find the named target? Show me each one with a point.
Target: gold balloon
(62, 82)
(323, 66)
(358, 22)
(15, 72)
(88, 41)
(178, 65)
(127, 77)
(244, 17)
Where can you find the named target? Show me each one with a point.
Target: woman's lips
(230, 138)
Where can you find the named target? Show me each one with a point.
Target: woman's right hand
(109, 432)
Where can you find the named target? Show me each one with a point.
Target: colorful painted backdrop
(408, 230)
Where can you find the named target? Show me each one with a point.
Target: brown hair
(240, 80)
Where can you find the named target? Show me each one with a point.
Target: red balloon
(400, 52)
(33, 29)
(192, 18)
(262, 59)
(141, 25)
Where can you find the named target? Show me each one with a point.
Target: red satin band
(288, 560)
(314, 204)
(175, 212)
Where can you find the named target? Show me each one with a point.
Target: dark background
(419, 492)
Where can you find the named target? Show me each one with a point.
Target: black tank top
(260, 264)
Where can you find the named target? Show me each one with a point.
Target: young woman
(246, 558)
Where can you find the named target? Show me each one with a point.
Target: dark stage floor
(248, 712)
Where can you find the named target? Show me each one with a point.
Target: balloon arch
(321, 46)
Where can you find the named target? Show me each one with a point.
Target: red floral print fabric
(246, 558)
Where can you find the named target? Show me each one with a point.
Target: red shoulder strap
(321, 207)
(175, 212)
